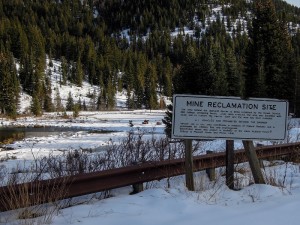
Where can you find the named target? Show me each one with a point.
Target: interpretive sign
(207, 117)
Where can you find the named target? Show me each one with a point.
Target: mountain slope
(136, 47)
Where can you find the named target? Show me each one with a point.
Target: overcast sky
(294, 2)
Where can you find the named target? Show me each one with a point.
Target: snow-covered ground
(90, 131)
(212, 202)
(256, 204)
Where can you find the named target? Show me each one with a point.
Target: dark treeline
(236, 53)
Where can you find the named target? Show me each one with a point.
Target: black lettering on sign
(194, 103)
(268, 107)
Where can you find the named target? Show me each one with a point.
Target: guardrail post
(138, 187)
(211, 172)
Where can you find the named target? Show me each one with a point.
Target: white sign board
(207, 117)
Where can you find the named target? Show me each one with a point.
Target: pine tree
(186, 81)
(79, 104)
(57, 101)
(84, 106)
(167, 120)
(269, 48)
(78, 73)
(296, 101)
(233, 77)
(37, 48)
(9, 86)
(92, 103)
(64, 70)
(130, 100)
(1, 9)
(36, 108)
(48, 105)
(100, 101)
(150, 88)
(110, 95)
(208, 72)
(70, 102)
(167, 78)
(76, 110)
(19, 45)
(139, 84)
(220, 85)
(26, 74)
(128, 78)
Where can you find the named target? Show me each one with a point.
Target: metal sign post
(189, 177)
(230, 164)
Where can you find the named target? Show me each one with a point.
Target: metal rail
(83, 184)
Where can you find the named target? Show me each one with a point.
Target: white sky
(294, 2)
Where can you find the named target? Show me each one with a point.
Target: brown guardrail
(83, 184)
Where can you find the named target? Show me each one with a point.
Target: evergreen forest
(148, 48)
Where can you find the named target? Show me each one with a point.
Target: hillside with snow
(82, 93)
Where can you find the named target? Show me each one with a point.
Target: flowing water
(18, 133)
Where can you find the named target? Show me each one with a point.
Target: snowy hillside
(83, 93)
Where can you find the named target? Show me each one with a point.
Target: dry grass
(37, 201)
(15, 137)
(33, 202)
